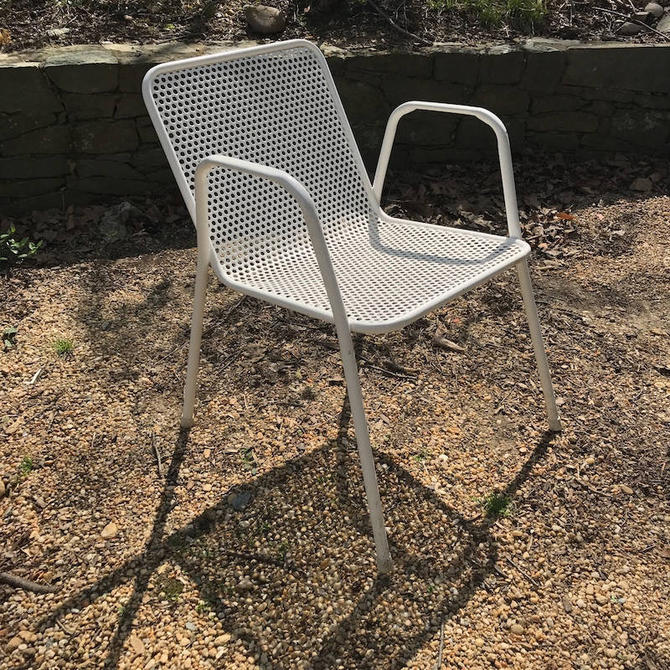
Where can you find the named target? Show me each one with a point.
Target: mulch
(26, 23)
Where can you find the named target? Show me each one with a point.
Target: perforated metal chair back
(278, 107)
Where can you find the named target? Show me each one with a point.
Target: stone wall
(73, 127)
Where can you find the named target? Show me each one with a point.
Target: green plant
(170, 588)
(13, 252)
(521, 14)
(9, 337)
(26, 466)
(281, 551)
(63, 346)
(497, 505)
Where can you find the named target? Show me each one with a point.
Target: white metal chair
(267, 164)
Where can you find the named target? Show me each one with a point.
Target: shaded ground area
(249, 546)
(348, 23)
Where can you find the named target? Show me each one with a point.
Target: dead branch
(26, 584)
(633, 20)
(393, 24)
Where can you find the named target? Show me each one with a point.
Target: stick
(381, 13)
(158, 454)
(632, 20)
(523, 572)
(438, 665)
(26, 584)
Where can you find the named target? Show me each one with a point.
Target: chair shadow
(297, 562)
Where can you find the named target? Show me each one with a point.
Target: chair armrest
(301, 196)
(489, 118)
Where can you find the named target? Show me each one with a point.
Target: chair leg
(196, 336)
(538, 345)
(384, 563)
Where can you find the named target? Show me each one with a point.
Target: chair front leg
(538, 345)
(196, 336)
(384, 563)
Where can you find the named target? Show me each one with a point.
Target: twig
(158, 454)
(64, 628)
(444, 343)
(438, 665)
(385, 371)
(35, 377)
(523, 572)
(26, 584)
(591, 488)
(383, 14)
(632, 20)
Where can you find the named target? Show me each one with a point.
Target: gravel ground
(249, 546)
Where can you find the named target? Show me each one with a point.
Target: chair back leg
(384, 563)
(538, 345)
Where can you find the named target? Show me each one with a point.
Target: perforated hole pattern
(276, 109)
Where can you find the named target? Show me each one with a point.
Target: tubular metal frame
(298, 192)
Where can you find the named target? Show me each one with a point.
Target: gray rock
(630, 28)
(642, 185)
(239, 501)
(654, 9)
(664, 24)
(265, 20)
(112, 225)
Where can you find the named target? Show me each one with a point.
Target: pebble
(516, 628)
(641, 184)
(626, 489)
(244, 584)
(654, 9)
(2, 488)
(265, 20)
(14, 643)
(222, 639)
(601, 598)
(109, 531)
(137, 644)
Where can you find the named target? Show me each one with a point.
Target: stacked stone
(74, 129)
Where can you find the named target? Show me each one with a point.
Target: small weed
(26, 466)
(63, 346)
(14, 252)
(308, 393)
(248, 460)
(202, 607)
(497, 505)
(170, 588)
(282, 549)
(9, 337)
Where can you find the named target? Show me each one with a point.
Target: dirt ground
(247, 544)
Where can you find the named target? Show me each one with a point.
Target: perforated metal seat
(267, 164)
(389, 272)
